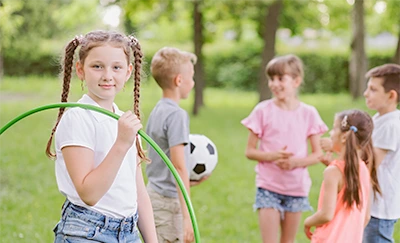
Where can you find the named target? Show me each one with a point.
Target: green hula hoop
(141, 133)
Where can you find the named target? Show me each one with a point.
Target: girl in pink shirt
(280, 129)
(343, 206)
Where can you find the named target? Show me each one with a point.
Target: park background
(338, 41)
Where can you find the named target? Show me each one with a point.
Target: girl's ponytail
(67, 73)
(358, 125)
(351, 171)
(138, 55)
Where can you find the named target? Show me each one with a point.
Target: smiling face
(375, 96)
(105, 71)
(283, 87)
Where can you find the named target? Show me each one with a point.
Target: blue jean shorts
(282, 203)
(79, 224)
(379, 230)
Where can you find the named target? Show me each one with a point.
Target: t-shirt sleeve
(386, 137)
(75, 129)
(254, 121)
(177, 128)
(316, 125)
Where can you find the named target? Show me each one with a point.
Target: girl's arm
(332, 183)
(253, 153)
(91, 183)
(146, 224)
(312, 158)
(368, 211)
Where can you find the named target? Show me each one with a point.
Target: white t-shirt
(98, 132)
(386, 135)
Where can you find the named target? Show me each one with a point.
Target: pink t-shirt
(277, 128)
(347, 224)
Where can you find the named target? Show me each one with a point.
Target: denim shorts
(379, 231)
(79, 224)
(280, 202)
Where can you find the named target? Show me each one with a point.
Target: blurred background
(338, 41)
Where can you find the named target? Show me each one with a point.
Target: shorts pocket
(79, 228)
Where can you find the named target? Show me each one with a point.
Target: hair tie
(344, 122)
(132, 40)
(353, 128)
(78, 40)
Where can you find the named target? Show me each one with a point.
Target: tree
(198, 40)
(396, 58)
(9, 23)
(271, 25)
(358, 60)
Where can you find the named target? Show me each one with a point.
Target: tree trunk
(358, 61)
(271, 25)
(1, 66)
(396, 58)
(198, 68)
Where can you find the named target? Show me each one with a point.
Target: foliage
(324, 72)
(236, 66)
(9, 24)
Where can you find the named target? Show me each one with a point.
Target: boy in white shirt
(383, 95)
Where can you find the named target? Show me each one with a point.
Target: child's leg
(293, 208)
(290, 224)
(269, 219)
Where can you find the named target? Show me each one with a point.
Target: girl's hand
(307, 229)
(282, 154)
(128, 126)
(286, 164)
(326, 144)
(326, 158)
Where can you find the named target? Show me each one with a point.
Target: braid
(138, 55)
(67, 72)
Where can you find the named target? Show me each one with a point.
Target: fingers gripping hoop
(141, 133)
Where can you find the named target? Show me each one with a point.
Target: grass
(29, 199)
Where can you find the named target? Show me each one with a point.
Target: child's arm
(146, 224)
(92, 182)
(178, 160)
(312, 158)
(379, 155)
(326, 144)
(253, 153)
(368, 211)
(332, 180)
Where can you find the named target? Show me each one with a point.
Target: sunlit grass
(30, 202)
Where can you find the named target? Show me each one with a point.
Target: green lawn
(30, 202)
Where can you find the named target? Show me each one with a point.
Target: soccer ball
(203, 156)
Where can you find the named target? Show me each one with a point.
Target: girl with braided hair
(97, 164)
(344, 200)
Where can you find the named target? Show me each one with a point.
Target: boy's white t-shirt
(98, 132)
(386, 135)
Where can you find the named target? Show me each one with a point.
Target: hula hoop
(141, 133)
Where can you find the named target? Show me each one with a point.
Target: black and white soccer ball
(203, 156)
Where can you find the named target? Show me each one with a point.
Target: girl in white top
(97, 166)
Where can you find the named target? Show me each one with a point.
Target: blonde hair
(289, 64)
(166, 64)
